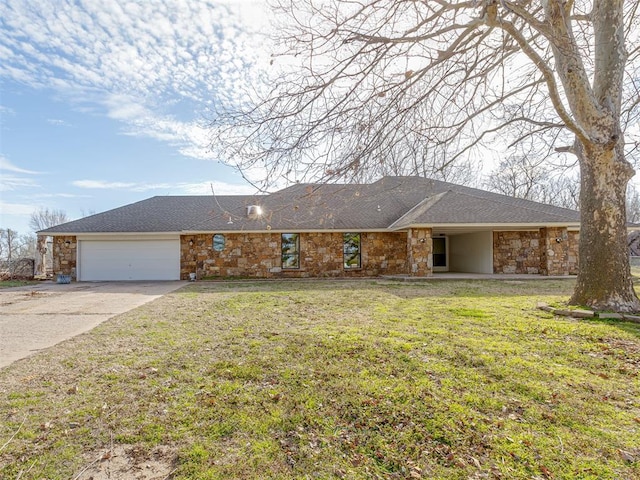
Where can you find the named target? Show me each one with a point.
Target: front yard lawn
(332, 379)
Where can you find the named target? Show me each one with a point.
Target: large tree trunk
(604, 278)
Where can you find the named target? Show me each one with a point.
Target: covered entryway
(112, 260)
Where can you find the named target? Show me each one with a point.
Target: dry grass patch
(333, 379)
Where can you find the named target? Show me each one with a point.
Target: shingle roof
(391, 202)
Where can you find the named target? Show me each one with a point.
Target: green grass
(16, 283)
(321, 379)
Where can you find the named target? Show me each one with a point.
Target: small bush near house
(20, 269)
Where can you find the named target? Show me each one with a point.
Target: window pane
(351, 250)
(290, 250)
(218, 242)
(290, 261)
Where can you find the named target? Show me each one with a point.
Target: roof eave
(490, 226)
(102, 234)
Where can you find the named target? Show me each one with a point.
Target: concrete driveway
(36, 317)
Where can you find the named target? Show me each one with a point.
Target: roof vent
(254, 212)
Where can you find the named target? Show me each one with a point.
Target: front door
(440, 260)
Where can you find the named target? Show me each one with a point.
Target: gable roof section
(390, 203)
(456, 207)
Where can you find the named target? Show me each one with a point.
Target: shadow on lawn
(426, 288)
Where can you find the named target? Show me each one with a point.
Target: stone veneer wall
(516, 252)
(531, 252)
(259, 255)
(554, 251)
(65, 257)
(419, 252)
(573, 241)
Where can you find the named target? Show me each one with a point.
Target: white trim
(112, 235)
(126, 236)
(446, 253)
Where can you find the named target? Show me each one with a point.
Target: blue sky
(104, 102)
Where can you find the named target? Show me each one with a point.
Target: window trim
(295, 254)
(358, 253)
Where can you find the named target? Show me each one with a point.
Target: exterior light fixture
(191, 243)
(67, 243)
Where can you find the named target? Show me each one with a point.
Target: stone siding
(531, 252)
(573, 241)
(258, 255)
(65, 256)
(419, 252)
(516, 252)
(554, 251)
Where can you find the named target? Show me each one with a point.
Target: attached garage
(144, 259)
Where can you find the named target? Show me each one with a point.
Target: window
(351, 250)
(290, 250)
(218, 242)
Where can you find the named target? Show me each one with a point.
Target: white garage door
(129, 260)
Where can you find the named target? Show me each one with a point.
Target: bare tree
(45, 218)
(536, 180)
(9, 242)
(359, 86)
(633, 205)
(13, 245)
(13, 249)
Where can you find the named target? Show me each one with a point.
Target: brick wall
(64, 256)
(259, 255)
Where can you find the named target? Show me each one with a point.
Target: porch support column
(419, 252)
(554, 251)
(40, 267)
(65, 255)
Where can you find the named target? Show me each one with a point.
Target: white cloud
(182, 188)
(6, 110)
(58, 122)
(13, 177)
(10, 183)
(6, 165)
(59, 195)
(16, 208)
(154, 66)
(102, 185)
(217, 188)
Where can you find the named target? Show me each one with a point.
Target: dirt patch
(10, 298)
(130, 461)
